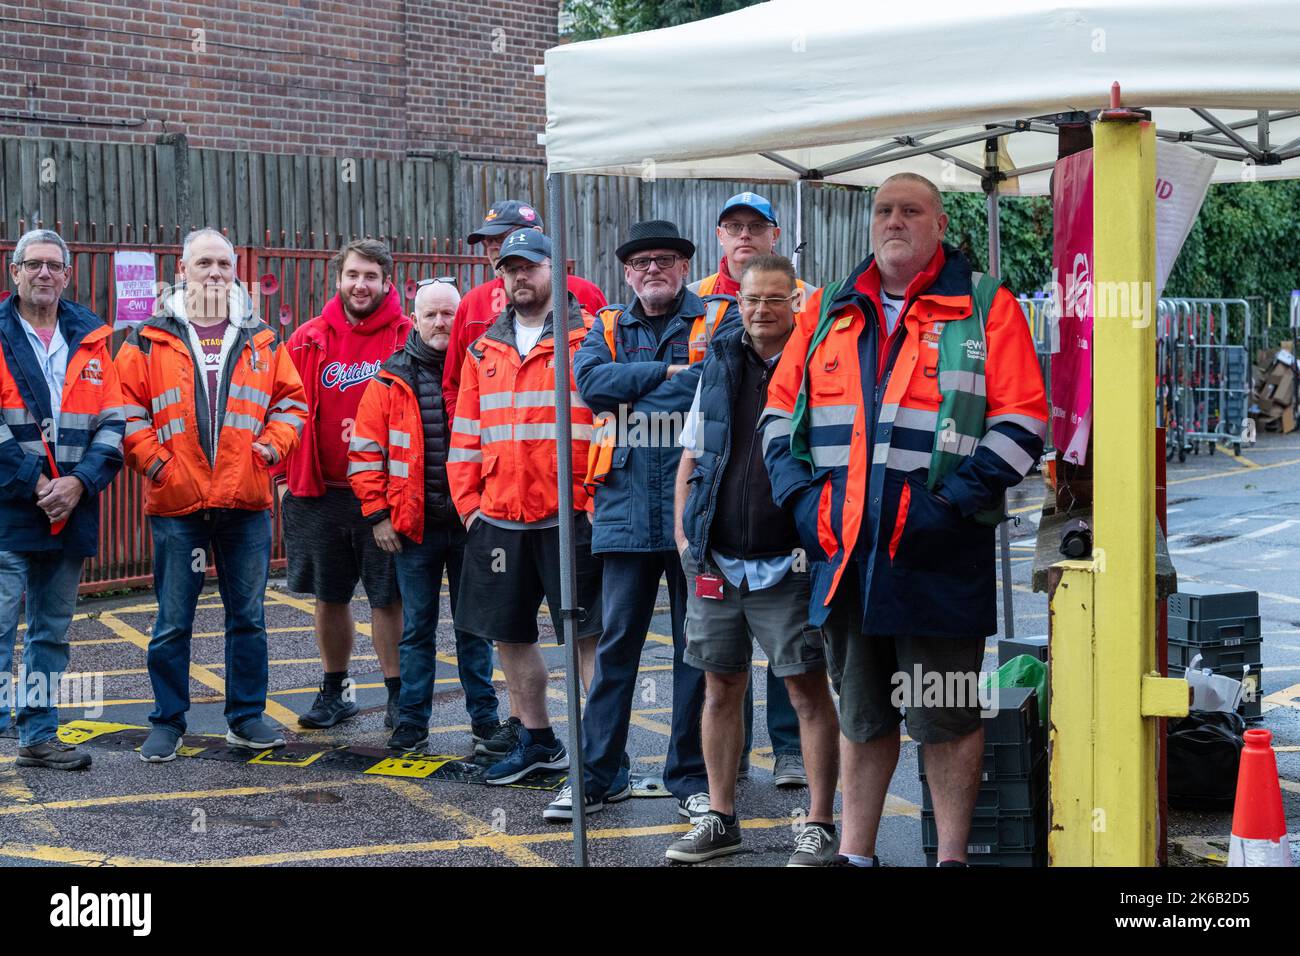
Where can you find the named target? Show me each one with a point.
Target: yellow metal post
(1104, 689)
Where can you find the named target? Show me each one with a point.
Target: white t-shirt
(526, 337)
(893, 308)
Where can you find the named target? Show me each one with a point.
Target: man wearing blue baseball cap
(747, 227)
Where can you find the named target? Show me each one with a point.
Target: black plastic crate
(1217, 656)
(1202, 602)
(1218, 630)
(1036, 857)
(1013, 795)
(1015, 646)
(1016, 718)
(1014, 740)
(992, 835)
(1250, 707)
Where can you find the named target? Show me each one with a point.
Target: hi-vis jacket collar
(945, 280)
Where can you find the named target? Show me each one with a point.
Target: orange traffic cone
(1258, 824)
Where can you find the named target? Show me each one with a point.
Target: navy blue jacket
(89, 442)
(634, 507)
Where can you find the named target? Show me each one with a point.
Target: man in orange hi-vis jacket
(907, 401)
(503, 472)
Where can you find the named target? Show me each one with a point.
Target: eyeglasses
(33, 266)
(642, 263)
(754, 301)
(754, 228)
(450, 280)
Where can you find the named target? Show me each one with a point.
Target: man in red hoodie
(483, 303)
(329, 543)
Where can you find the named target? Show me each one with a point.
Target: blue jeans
(241, 545)
(629, 585)
(50, 579)
(419, 579)
(782, 721)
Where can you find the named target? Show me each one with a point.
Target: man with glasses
(747, 227)
(730, 532)
(635, 369)
(483, 303)
(60, 446)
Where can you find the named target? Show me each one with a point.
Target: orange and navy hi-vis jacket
(170, 438)
(503, 453)
(925, 566)
(85, 442)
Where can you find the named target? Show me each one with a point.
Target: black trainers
(709, 837)
(328, 709)
(409, 738)
(52, 754)
(502, 741)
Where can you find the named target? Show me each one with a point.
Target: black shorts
(330, 547)
(507, 573)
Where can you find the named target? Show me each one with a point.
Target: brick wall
(375, 78)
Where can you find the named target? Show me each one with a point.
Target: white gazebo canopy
(846, 91)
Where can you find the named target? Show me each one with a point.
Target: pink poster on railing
(135, 276)
(1072, 291)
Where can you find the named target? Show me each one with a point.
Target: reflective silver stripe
(135, 411)
(773, 412)
(113, 438)
(1006, 449)
(972, 382)
(135, 425)
(1032, 425)
(830, 456)
(496, 433)
(466, 426)
(157, 466)
(776, 428)
(247, 393)
(294, 420)
(164, 399)
(918, 418)
(75, 420)
(355, 467)
(576, 400)
(69, 453)
(833, 414)
(493, 400)
(535, 431)
(365, 444)
(168, 429)
(18, 416)
(888, 412)
(248, 422)
(901, 459)
(398, 439)
(879, 454)
(285, 404)
(534, 399)
(464, 454)
(116, 413)
(580, 432)
(33, 448)
(955, 443)
(398, 469)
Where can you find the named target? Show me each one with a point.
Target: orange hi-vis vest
(600, 454)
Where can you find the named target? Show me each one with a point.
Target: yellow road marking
(516, 853)
(130, 798)
(72, 857)
(275, 710)
(1225, 473)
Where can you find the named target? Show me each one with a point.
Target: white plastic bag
(1211, 691)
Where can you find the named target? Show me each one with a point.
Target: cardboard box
(1288, 421)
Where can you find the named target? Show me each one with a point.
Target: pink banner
(1072, 291)
(135, 276)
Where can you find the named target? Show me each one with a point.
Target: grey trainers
(788, 771)
(160, 746)
(52, 754)
(709, 837)
(816, 846)
(694, 807)
(256, 734)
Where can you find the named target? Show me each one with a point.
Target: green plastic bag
(1025, 671)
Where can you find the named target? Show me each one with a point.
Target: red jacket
(478, 310)
(309, 350)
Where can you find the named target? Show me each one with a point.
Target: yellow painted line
(276, 711)
(1223, 474)
(269, 630)
(1284, 698)
(87, 643)
(1023, 509)
(362, 627)
(516, 853)
(1289, 785)
(1241, 460)
(218, 794)
(69, 856)
(20, 799)
(1290, 749)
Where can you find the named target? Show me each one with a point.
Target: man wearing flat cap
(637, 371)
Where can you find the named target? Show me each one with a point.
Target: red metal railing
(288, 286)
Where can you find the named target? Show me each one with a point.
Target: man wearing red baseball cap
(483, 303)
